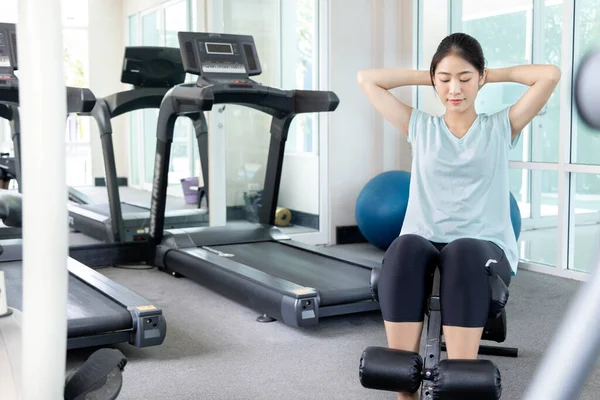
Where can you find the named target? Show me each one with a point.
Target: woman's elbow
(554, 74)
(360, 77)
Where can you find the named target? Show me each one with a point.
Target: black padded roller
(467, 380)
(390, 369)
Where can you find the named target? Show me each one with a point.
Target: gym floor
(215, 349)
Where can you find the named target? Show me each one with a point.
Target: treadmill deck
(89, 312)
(335, 281)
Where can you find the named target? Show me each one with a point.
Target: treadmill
(99, 311)
(152, 71)
(255, 263)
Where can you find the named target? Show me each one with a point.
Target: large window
(299, 66)
(159, 27)
(585, 146)
(75, 37)
(555, 169)
(75, 40)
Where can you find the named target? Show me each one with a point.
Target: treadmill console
(219, 57)
(8, 55)
(152, 67)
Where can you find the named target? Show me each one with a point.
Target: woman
(458, 214)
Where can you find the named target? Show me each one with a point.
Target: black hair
(464, 46)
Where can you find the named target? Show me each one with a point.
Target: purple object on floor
(190, 190)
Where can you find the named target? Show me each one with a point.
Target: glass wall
(158, 27)
(555, 169)
(286, 37)
(75, 40)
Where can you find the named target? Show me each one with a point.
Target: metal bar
(45, 250)
(573, 352)
(494, 351)
(433, 343)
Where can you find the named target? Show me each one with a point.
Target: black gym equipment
(99, 311)
(404, 371)
(100, 377)
(253, 263)
(152, 71)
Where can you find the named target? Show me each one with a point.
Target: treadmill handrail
(275, 102)
(112, 106)
(79, 100)
(6, 112)
(132, 100)
(120, 103)
(9, 96)
(184, 99)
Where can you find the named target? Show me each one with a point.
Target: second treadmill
(152, 71)
(254, 264)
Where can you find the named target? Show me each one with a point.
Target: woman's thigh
(465, 292)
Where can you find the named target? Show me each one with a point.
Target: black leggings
(407, 276)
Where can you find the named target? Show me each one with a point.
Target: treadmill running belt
(88, 311)
(336, 281)
(103, 209)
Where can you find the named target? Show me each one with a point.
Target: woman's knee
(405, 244)
(403, 278)
(406, 255)
(474, 256)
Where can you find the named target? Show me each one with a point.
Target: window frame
(136, 136)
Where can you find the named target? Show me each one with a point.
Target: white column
(217, 143)
(43, 120)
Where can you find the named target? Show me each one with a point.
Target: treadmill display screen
(4, 51)
(219, 48)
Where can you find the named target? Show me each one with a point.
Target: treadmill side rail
(293, 304)
(149, 324)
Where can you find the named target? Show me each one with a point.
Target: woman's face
(457, 82)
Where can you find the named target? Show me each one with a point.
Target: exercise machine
(99, 377)
(152, 71)
(574, 349)
(100, 311)
(252, 263)
(396, 370)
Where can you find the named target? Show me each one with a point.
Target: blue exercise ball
(515, 216)
(381, 207)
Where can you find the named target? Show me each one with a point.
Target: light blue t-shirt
(459, 188)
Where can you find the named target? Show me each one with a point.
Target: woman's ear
(483, 78)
